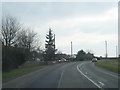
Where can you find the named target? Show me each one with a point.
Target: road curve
(103, 78)
(83, 74)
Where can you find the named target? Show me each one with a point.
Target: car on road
(62, 60)
(59, 61)
(94, 60)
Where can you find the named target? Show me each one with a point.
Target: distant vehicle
(62, 60)
(59, 61)
(53, 61)
(38, 59)
(94, 60)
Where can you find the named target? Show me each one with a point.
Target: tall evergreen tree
(50, 46)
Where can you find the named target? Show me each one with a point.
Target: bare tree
(89, 51)
(30, 40)
(22, 39)
(10, 27)
(25, 38)
(37, 44)
(1, 37)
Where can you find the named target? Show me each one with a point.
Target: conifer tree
(50, 46)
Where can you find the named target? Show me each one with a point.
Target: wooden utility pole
(71, 48)
(54, 47)
(54, 41)
(116, 52)
(106, 48)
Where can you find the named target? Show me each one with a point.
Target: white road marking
(60, 79)
(102, 84)
(89, 78)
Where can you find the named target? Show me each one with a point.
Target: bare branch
(10, 28)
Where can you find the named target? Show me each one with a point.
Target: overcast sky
(87, 24)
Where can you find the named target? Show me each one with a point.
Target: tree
(10, 28)
(89, 56)
(17, 43)
(22, 39)
(81, 55)
(50, 46)
(30, 39)
(59, 55)
(89, 51)
(25, 38)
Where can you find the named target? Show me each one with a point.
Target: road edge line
(88, 78)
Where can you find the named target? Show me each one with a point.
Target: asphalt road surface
(83, 74)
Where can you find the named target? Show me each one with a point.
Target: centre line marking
(60, 79)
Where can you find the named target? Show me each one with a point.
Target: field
(112, 65)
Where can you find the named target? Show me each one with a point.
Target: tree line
(18, 43)
(82, 55)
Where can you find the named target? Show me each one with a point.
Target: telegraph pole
(71, 48)
(54, 47)
(54, 41)
(106, 48)
(116, 52)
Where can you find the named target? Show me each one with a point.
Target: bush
(12, 57)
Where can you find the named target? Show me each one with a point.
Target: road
(83, 74)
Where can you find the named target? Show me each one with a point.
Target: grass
(0, 77)
(6, 76)
(112, 65)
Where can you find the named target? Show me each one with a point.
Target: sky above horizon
(87, 24)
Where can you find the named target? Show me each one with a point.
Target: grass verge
(6, 76)
(112, 65)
